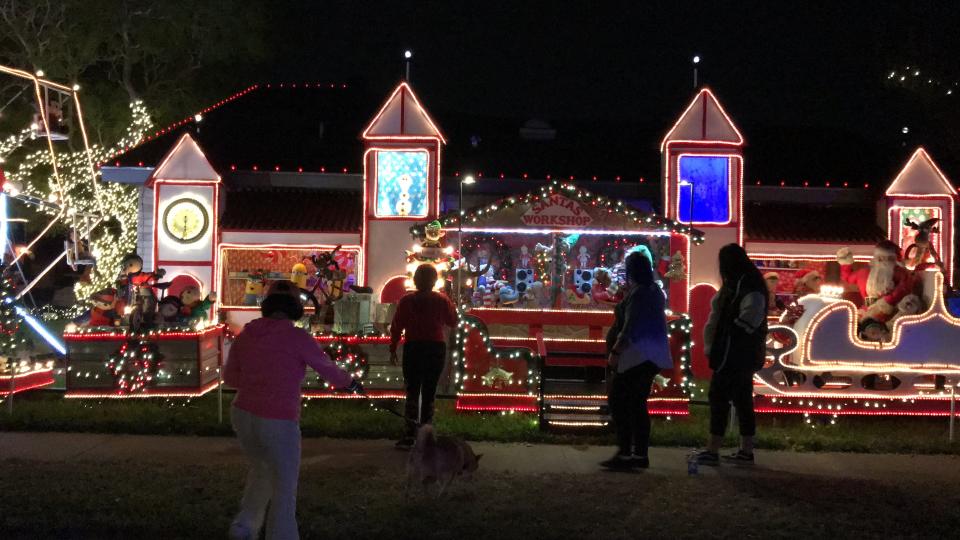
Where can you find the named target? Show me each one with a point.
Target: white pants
(273, 450)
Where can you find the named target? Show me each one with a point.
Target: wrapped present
(383, 316)
(351, 313)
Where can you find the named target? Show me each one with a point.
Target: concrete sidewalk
(507, 457)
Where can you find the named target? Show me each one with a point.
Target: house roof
(704, 120)
(402, 117)
(185, 161)
(776, 222)
(292, 209)
(920, 176)
(317, 127)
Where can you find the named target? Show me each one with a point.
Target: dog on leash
(439, 460)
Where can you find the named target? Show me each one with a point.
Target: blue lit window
(401, 184)
(708, 179)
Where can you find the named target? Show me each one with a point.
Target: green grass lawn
(149, 500)
(48, 411)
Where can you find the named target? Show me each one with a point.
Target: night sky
(807, 82)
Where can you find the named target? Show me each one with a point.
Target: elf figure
(105, 310)
(138, 289)
(194, 306)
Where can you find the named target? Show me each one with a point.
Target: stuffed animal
(525, 257)
(298, 275)
(807, 282)
(604, 290)
(253, 290)
(193, 306)
(576, 298)
(105, 311)
(508, 295)
(169, 310)
(583, 258)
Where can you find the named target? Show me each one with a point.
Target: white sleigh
(821, 354)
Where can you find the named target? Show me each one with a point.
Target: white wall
(145, 227)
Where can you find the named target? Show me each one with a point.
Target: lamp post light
(407, 56)
(696, 61)
(466, 180)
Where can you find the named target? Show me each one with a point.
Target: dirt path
(521, 458)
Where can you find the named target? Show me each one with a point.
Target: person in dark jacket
(734, 341)
(420, 318)
(638, 349)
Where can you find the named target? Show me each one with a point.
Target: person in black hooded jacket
(735, 344)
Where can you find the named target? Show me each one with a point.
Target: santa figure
(806, 282)
(883, 284)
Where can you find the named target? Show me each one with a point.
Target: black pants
(423, 363)
(628, 406)
(732, 387)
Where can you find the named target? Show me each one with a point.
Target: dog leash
(390, 410)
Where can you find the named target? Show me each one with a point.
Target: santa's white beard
(880, 279)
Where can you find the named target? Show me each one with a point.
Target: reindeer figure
(917, 253)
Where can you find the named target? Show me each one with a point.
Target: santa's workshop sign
(556, 211)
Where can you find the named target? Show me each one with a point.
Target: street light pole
(696, 60)
(468, 180)
(407, 55)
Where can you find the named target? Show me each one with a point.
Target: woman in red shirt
(421, 317)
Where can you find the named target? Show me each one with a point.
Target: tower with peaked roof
(920, 192)
(702, 167)
(185, 230)
(401, 173)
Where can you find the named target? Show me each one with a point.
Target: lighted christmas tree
(12, 341)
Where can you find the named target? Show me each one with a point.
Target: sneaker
(706, 457)
(239, 531)
(405, 443)
(740, 456)
(619, 462)
(640, 462)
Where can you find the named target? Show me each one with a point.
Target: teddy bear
(604, 290)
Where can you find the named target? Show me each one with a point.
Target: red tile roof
(293, 209)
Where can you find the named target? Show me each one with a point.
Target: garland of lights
(467, 323)
(684, 325)
(642, 219)
(83, 193)
(134, 366)
(350, 357)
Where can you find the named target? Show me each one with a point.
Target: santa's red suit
(881, 304)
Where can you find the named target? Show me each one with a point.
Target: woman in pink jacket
(266, 364)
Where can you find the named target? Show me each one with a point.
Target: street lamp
(467, 180)
(407, 55)
(696, 60)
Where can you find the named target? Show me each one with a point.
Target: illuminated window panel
(707, 178)
(402, 183)
(908, 235)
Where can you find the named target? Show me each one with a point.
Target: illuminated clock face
(185, 220)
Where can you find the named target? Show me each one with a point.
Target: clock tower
(186, 194)
(401, 173)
